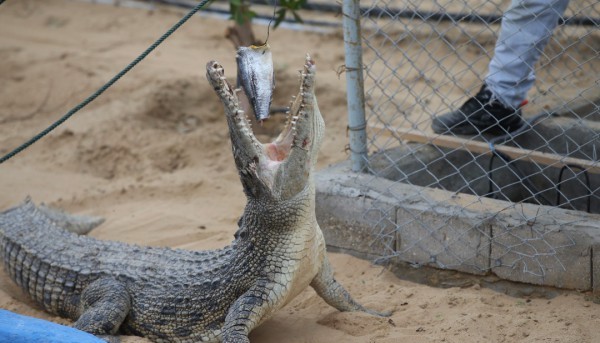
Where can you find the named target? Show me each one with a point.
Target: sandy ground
(152, 156)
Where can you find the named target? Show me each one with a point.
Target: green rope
(106, 85)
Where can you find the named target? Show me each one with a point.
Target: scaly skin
(171, 295)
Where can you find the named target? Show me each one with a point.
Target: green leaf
(241, 13)
(280, 17)
(297, 17)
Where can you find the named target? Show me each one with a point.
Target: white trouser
(526, 28)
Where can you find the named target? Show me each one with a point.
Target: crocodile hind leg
(103, 306)
(78, 224)
(334, 293)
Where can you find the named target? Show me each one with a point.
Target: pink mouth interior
(277, 153)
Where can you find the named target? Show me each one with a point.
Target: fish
(255, 77)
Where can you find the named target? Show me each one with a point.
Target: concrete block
(443, 239)
(540, 245)
(548, 249)
(357, 223)
(354, 214)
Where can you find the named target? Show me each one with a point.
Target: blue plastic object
(15, 328)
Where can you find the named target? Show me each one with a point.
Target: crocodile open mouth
(292, 155)
(303, 123)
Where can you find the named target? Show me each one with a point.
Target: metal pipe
(354, 85)
(308, 25)
(386, 12)
(391, 13)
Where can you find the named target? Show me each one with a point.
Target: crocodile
(176, 295)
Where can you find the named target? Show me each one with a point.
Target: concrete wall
(376, 217)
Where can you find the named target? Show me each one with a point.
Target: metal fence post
(354, 85)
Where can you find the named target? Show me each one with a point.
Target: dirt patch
(177, 105)
(108, 161)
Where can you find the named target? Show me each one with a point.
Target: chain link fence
(481, 201)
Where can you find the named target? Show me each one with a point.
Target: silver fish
(255, 76)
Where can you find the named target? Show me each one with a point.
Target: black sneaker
(480, 114)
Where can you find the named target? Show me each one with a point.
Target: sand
(152, 156)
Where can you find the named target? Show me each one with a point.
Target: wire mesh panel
(484, 116)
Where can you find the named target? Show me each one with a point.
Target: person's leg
(526, 28)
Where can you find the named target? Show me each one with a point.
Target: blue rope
(106, 85)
